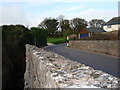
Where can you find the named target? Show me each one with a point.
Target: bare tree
(42, 24)
(60, 19)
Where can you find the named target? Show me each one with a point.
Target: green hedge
(14, 36)
(39, 36)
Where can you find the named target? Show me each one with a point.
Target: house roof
(83, 31)
(113, 21)
(95, 30)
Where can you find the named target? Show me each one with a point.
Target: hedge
(39, 36)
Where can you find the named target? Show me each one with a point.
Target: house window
(109, 26)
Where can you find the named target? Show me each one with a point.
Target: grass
(56, 40)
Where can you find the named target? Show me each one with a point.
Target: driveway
(97, 61)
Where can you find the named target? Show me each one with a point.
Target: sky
(31, 12)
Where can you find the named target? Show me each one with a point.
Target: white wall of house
(109, 28)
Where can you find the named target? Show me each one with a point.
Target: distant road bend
(102, 62)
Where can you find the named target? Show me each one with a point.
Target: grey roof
(113, 21)
(95, 30)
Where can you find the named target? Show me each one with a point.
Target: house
(95, 30)
(88, 31)
(112, 25)
(83, 33)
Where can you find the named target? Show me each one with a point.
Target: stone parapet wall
(102, 46)
(50, 70)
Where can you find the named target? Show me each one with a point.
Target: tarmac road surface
(106, 63)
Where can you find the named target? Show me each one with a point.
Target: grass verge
(56, 40)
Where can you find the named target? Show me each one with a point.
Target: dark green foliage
(51, 24)
(58, 34)
(14, 38)
(62, 27)
(39, 36)
(65, 28)
(65, 25)
(68, 32)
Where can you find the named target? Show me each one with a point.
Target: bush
(39, 36)
(14, 38)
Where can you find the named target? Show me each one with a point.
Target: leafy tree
(66, 29)
(68, 32)
(65, 25)
(77, 24)
(96, 23)
(51, 25)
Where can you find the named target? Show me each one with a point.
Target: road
(106, 63)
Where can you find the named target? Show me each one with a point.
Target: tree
(77, 24)
(96, 23)
(50, 24)
(66, 29)
(65, 25)
(60, 19)
(68, 32)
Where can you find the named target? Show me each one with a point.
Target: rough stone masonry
(50, 70)
(110, 47)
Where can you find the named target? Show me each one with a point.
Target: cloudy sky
(32, 12)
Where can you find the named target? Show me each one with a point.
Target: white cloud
(14, 15)
(87, 15)
(59, 0)
(95, 14)
(1, 14)
(71, 8)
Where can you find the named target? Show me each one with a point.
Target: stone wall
(101, 46)
(50, 70)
